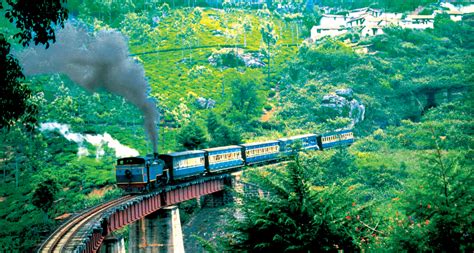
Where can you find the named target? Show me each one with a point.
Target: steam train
(139, 174)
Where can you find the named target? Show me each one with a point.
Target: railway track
(65, 234)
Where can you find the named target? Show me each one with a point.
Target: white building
(455, 15)
(418, 22)
(329, 25)
(318, 32)
(362, 11)
(333, 20)
(370, 22)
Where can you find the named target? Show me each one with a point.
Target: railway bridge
(153, 218)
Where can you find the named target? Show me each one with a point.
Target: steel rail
(64, 234)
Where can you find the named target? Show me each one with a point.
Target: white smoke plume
(98, 141)
(96, 61)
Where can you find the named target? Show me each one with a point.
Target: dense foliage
(32, 23)
(405, 73)
(404, 184)
(389, 5)
(392, 196)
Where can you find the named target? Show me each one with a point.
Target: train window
(132, 160)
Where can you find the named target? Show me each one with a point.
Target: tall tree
(34, 22)
(297, 216)
(438, 203)
(221, 134)
(44, 195)
(247, 27)
(269, 38)
(246, 101)
(192, 136)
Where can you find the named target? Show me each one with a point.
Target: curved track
(64, 235)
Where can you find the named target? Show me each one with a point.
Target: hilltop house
(362, 11)
(418, 21)
(318, 32)
(370, 22)
(333, 20)
(329, 25)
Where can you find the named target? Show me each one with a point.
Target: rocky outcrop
(344, 104)
(204, 103)
(232, 57)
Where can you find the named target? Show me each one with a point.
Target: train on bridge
(141, 174)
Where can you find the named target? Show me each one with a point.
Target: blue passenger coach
(308, 142)
(260, 152)
(223, 158)
(337, 138)
(184, 164)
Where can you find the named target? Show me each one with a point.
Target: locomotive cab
(135, 174)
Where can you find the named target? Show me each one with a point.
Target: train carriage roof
(222, 148)
(297, 137)
(184, 153)
(259, 143)
(342, 131)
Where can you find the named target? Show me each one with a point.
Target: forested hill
(231, 73)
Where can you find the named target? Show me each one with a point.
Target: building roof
(360, 9)
(420, 17)
(357, 18)
(454, 12)
(332, 27)
(334, 16)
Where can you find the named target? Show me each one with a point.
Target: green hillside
(407, 94)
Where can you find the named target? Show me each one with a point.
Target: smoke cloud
(98, 141)
(96, 61)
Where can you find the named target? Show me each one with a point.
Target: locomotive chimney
(155, 155)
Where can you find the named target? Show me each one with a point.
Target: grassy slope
(22, 224)
(169, 77)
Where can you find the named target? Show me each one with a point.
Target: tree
(269, 38)
(298, 216)
(221, 134)
(186, 33)
(196, 21)
(438, 203)
(139, 31)
(44, 194)
(247, 27)
(34, 22)
(192, 136)
(246, 101)
(14, 94)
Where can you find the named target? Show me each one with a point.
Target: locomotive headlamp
(128, 174)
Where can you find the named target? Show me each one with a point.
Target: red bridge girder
(120, 216)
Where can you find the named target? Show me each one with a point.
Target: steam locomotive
(139, 174)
